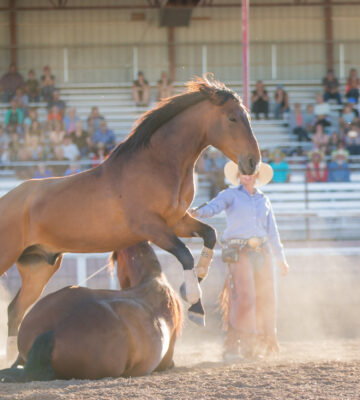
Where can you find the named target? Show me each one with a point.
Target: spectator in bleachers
(42, 172)
(22, 171)
(347, 119)
(100, 154)
(260, 100)
(4, 139)
(70, 120)
(105, 136)
(56, 134)
(31, 117)
(331, 87)
(352, 86)
(297, 124)
(54, 115)
(71, 152)
(81, 138)
(164, 87)
(280, 167)
(22, 99)
(339, 170)
(333, 144)
(316, 170)
(56, 101)
(322, 112)
(265, 156)
(141, 90)
(94, 120)
(35, 149)
(310, 119)
(9, 82)
(352, 140)
(320, 138)
(281, 102)
(59, 169)
(14, 143)
(32, 87)
(214, 163)
(47, 84)
(35, 130)
(14, 116)
(73, 169)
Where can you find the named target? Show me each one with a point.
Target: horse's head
(228, 125)
(136, 263)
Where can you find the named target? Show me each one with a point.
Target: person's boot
(231, 346)
(249, 346)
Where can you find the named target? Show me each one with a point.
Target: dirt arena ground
(304, 370)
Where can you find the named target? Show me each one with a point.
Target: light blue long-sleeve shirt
(246, 216)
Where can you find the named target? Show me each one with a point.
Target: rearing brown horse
(141, 192)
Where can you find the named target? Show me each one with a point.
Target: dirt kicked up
(304, 370)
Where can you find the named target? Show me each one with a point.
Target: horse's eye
(232, 119)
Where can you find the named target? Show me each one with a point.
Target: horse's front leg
(191, 227)
(158, 232)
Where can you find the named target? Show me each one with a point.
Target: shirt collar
(242, 189)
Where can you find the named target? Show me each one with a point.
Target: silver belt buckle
(255, 243)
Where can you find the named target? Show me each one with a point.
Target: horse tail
(224, 300)
(38, 364)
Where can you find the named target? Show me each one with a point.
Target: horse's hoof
(196, 314)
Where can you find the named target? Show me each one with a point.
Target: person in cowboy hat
(316, 169)
(339, 170)
(248, 297)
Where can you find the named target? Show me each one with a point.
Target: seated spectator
(214, 163)
(57, 134)
(316, 170)
(105, 136)
(47, 84)
(352, 140)
(59, 169)
(333, 143)
(35, 130)
(4, 139)
(322, 112)
(81, 138)
(22, 100)
(165, 87)
(353, 107)
(9, 82)
(265, 156)
(23, 171)
(347, 119)
(310, 118)
(260, 100)
(73, 169)
(42, 172)
(70, 120)
(35, 149)
(32, 87)
(31, 117)
(297, 124)
(56, 101)
(141, 90)
(281, 102)
(352, 86)
(54, 115)
(14, 143)
(320, 138)
(280, 167)
(14, 116)
(94, 121)
(331, 87)
(71, 152)
(100, 154)
(339, 170)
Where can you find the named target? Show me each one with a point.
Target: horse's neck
(180, 141)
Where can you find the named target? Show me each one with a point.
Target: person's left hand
(284, 266)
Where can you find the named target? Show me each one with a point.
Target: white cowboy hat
(265, 174)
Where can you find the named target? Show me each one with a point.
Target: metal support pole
(204, 59)
(135, 63)
(245, 47)
(66, 65)
(81, 270)
(342, 61)
(171, 53)
(273, 62)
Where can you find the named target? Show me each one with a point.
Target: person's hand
(284, 266)
(193, 212)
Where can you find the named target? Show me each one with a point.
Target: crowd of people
(62, 137)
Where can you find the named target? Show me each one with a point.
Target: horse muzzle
(248, 165)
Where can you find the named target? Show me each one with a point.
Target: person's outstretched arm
(223, 200)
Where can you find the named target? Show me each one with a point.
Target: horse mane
(199, 89)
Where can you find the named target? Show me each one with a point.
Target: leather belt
(254, 243)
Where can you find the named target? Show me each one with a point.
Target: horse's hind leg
(35, 273)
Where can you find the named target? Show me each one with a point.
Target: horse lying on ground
(141, 192)
(90, 334)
